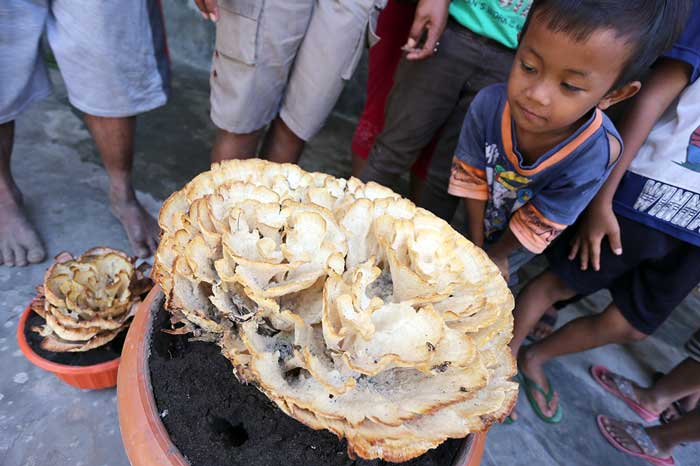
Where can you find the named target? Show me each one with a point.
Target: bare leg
(19, 241)
(358, 164)
(229, 146)
(684, 430)
(114, 138)
(578, 335)
(533, 301)
(281, 144)
(683, 382)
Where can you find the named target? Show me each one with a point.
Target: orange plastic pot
(93, 377)
(146, 441)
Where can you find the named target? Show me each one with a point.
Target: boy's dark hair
(650, 26)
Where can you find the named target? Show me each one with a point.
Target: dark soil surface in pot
(108, 352)
(214, 420)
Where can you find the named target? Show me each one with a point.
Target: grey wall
(191, 41)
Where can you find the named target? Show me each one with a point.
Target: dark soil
(108, 352)
(214, 420)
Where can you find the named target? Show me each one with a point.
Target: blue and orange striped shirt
(537, 201)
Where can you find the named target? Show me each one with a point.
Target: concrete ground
(43, 421)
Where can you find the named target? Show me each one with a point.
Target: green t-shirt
(500, 20)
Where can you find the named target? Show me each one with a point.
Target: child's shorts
(693, 346)
(111, 54)
(290, 58)
(652, 276)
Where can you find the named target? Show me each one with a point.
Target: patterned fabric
(623, 384)
(641, 438)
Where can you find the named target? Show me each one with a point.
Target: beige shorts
(284, 57)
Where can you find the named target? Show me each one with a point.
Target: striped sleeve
(467, 181)
(534, 230)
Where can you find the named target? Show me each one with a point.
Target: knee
(554, 288)
(619, 326)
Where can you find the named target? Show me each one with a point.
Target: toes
(8, 256)
(35, 253)
(20, 256)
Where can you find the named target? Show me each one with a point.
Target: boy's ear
(619, 94)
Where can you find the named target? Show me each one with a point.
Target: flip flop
(529, 385)
(621, 387)
(640, 437)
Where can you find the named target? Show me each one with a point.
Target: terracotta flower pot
(94, 377)
(146, 441)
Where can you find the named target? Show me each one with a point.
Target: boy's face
(555, 81)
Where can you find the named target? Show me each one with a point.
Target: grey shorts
(284, 57)
(111, 53)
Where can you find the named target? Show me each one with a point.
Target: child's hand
(597, 222)
(502, 264)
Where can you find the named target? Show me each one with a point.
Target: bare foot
(620, 431)
(19, 241)
(531, 368)
(141, 229)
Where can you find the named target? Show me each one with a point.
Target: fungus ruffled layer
(87, 301)
(349, 307)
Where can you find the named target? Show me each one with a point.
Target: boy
(657, 204)
(533, 153)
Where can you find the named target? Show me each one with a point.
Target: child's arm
(475, 220)
(503, 248)
(527, 229)
(665, 83)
